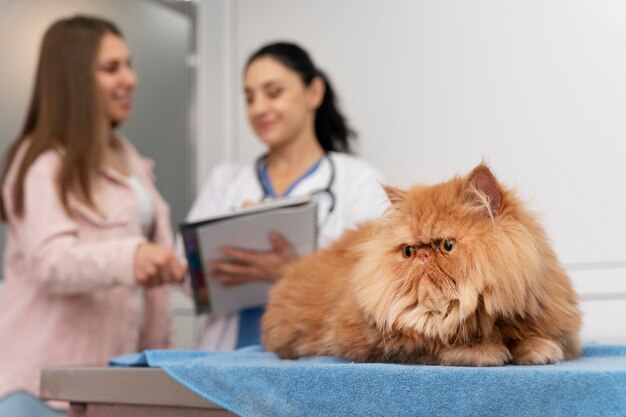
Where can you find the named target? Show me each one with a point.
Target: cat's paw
(536, 351)
(483, 354)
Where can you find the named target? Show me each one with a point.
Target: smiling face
(115, 78)
(280, 107)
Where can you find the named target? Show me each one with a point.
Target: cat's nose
(424, 253)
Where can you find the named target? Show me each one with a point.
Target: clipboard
(295, 218)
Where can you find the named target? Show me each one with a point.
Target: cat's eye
(447, 245)
(409, 251)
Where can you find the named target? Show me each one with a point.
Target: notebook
(295, 218)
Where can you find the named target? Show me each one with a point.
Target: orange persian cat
(458, 273)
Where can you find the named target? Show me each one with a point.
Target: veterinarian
(292, 108)
(88, 235)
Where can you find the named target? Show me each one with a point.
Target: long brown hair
(65, 112)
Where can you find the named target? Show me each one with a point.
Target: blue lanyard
(268, 190)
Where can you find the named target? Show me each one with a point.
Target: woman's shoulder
(355, 166)
(221, 190)
(226, 175)
(40, 173)
(230, 171)
(45, 163)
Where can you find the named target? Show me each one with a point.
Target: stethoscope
(261, 165)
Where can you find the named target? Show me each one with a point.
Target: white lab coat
(359, 196)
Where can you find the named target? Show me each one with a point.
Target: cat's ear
(394, 194)
(482, 187)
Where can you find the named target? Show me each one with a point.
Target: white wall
(535, 88)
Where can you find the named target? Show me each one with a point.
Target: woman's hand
(249, 266)
(157, 265)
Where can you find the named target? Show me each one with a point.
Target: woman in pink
(88, 236)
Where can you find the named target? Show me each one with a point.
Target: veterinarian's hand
(249, 266)
(157, 265)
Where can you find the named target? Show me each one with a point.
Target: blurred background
(537, 89)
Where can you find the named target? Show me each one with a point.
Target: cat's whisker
(461, 330)
(449, 281)
(385, 337)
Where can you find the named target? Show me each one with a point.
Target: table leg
(78, 410)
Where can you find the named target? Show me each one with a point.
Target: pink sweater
(69, 296)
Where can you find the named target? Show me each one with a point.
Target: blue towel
(250, 382)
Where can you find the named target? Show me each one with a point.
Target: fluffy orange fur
(458, 273)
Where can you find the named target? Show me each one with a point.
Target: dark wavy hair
(331, 127)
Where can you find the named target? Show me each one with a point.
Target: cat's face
(444, 253)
